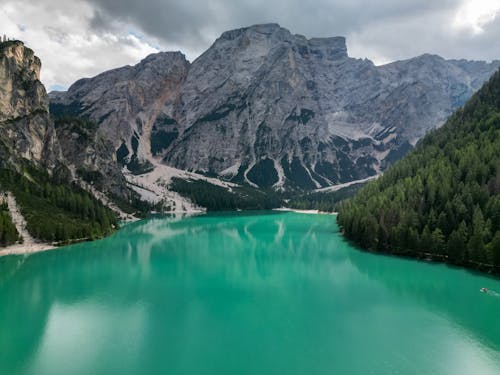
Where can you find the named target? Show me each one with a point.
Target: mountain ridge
(441, 201)
(268, 108)
(53, 206)
(24, 109)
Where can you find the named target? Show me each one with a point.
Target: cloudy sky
(80, 38)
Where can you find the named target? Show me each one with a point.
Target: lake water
(243, 293)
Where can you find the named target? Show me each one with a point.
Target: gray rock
(266, 107)
(26, 128)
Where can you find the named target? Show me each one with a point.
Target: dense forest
(217, 198)
(55, 211)
(442, 201)
(322, 201)
(8, 231)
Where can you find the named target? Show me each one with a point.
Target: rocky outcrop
(27, 130)
(106, 123)
(265, 107)
(90, 155)
(71, 150)
(128, 104)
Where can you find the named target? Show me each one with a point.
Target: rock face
(126, 103)
(26, 128)
(269, 108)
(70, 148)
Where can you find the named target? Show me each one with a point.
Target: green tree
(444, 196)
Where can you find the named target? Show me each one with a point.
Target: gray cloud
(78, 38)
(62, 35)
(194, 23)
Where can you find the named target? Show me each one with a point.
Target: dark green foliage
(85, 128)
(161, 139)
(56, 212)
(217, 198)
(320, 179)
(397, 154)
(323, 201)
(263, 173)
(133, 204)
(328, 170)
(218, 113)
(122, 153)
(339, 142)
(264, 140)
(361, 142)
(345, 164)
(442, 200)
(163, 133)
(364, 165)
(162, 121)
(297, 174)
(134, 165)
(74, 109)
(8, 231)
(137, 167)
(91, 176)
(240, 176)
(135, 143)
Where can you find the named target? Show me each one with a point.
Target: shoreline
(32, 246)
(309, 212)
(37, 247)
(29, 244)
(26, 249)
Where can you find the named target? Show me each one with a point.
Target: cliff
(268, 108)
(27, 130)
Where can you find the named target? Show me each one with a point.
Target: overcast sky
(81, 38)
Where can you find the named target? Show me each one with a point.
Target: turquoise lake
(242, 293)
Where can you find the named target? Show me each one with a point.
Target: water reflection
(453, 292)
(283, 287)
(243, 250)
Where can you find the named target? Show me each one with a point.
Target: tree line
(8, 231)
(217, 198)
(322, 201)
(443, 199)
(57, 211)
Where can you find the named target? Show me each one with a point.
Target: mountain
(442, 201)
(261, 107)
(271, 109)
(27, 130)
(34, 176)
(125, 102)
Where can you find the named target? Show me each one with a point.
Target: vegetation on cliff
(54, 210)
(323, 201)
(8, 231)
(217, 198)
(442, 200)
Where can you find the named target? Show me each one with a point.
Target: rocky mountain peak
(274, 109)
(26, 128)
(162, 62)
(266, 30)
(22, 92)
(20, 55)
(334, 47)
(272, 35)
